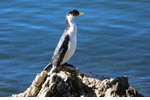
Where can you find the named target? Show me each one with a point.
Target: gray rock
(65, 81)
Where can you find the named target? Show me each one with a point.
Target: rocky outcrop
(66, 81)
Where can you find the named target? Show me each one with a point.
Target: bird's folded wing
(61, 51)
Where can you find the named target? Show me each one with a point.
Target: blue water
(113, 40)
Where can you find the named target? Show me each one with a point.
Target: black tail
(47, 67)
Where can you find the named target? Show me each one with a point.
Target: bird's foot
(69, 65)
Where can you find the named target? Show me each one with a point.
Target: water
(113, 40)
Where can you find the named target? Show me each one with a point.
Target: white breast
(72, 43)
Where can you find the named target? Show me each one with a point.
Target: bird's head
(73, 14)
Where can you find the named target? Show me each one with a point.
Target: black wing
(57, 58)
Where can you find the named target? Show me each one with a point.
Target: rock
(66, 81)
(35, 87)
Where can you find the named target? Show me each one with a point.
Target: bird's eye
(74, 14)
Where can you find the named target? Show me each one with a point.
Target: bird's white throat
(71, 26)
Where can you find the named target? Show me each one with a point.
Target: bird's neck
(71, 27)
(69, 22)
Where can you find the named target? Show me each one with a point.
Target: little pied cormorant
(67, 43)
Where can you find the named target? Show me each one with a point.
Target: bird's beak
(81, 13)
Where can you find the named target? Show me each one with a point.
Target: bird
(67, 43)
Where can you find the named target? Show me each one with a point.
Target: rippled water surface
(113, 39)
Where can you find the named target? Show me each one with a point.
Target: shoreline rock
(66, 81)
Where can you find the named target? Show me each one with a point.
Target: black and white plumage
(67, 43)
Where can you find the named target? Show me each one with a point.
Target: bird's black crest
(73, 12)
